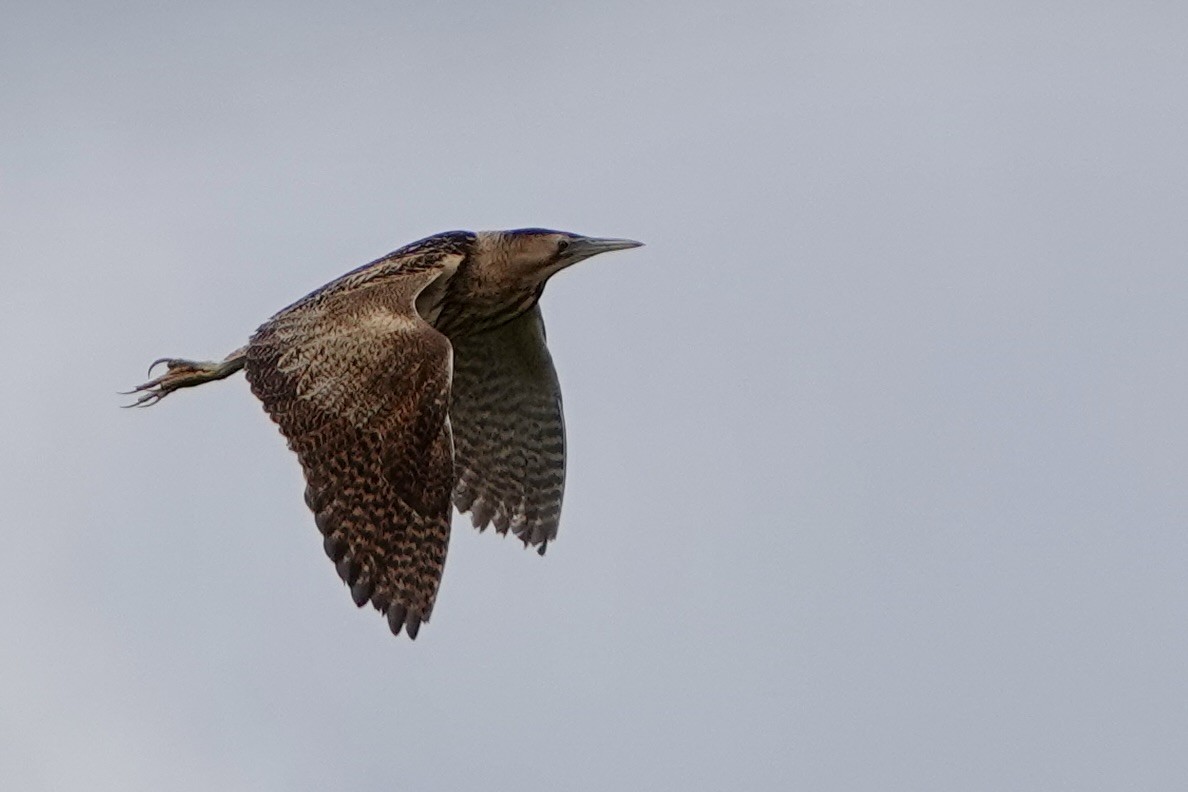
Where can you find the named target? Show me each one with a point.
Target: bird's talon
(172, 364)
(180, 373)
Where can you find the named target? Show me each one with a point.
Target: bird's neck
(467, 303)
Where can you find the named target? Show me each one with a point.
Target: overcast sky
(878, 474)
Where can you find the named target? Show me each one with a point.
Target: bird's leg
(185, 374)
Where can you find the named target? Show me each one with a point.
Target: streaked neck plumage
(499, 280)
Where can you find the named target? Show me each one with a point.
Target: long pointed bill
(581, 247)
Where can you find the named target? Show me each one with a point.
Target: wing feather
(509, 431)
(359, 385)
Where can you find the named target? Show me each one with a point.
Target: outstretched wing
(360, 385)
(509, 433)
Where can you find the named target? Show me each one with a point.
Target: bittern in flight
(413, 380)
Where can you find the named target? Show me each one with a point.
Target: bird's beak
(581, 247)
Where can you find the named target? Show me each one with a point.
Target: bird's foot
(178, 374)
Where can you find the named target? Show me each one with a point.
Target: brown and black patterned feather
(359, 385)
(392, 377)
(509, 432)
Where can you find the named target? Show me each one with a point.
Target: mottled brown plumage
(420, 378)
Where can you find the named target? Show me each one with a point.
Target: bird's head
(530, 256)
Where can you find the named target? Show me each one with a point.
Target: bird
(419, 380)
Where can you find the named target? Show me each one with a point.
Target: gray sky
(878, 462)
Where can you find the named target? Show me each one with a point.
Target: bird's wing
(509, 433)
(360, 385)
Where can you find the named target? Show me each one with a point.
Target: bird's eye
(563, 245)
